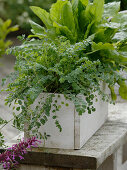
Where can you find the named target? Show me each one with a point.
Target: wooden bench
(106, 150)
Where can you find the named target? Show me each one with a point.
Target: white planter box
(76, 130)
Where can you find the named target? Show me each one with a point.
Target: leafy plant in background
(19, 12)
(108, 1)
(5, 29)
(123, 5)
(80, 47)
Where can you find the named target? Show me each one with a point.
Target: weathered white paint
(90, 123)
(76, 129)
(64, 139)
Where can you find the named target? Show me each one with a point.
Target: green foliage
(19, 12)
(5, 29)
(123, 5)
(111, 9)
(87, 17)
(2, 124)
(78, 49)
(1, 140)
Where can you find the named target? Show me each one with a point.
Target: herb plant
(81, 46)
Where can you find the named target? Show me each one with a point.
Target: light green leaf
(67, 17)
(94, 11)
(43, 15)
(61, 12)
(113, 25)
(75, 4)
(85, 2)
(37, 28)
(121, 18)
(123, 89)
(12, 29)
(99, 9)
(60, 29)
(7, 23)
(119, 36)
(101, 46)
(55, 11)
(88, 29)
(92, 14)
(76, 9)
(113, 94)
(105, 34)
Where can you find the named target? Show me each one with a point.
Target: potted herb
(62, 71)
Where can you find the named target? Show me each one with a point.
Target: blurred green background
(20, 13)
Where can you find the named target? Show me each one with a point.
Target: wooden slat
(33, 167)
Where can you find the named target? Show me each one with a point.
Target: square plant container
(76, 129)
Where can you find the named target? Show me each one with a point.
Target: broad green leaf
(84, 2)
(94, 11)
(106, 53)
(99, 9)
(122, 89)
(37, 28)
(101, 46)
(55, 11)
(111, 9)
(85, 18)
(60, 29)
(67, 17)
(40, 36)
(75, 9)
(113, 94)
(113, 25)
(124, 54)
(75, 4)
(7, 23)
(12, 29)
(88, 29)
(122, 45)
(105, 34)
(121, 18)
(119, 36)
(92, 14)
(61, 12)
(43, 15)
